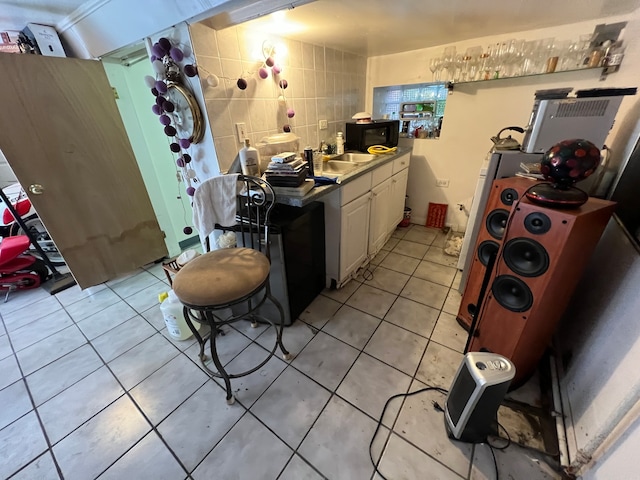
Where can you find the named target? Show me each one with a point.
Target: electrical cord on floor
(437, 408)
(508, 439)
(384, 410)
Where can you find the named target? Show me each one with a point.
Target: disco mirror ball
(570, 161)
(563, 165)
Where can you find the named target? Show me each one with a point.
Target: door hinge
(115, 93)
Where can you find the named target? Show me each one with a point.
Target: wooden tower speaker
(504, 193)
(543, 254)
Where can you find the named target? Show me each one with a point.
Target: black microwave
(361, 136)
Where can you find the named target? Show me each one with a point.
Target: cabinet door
(354, 234)
(398, 191)
(379, 219)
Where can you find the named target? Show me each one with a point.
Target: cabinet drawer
(355, 188)
(380, 174)
(401, 163)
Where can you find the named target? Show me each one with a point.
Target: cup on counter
(317, 163)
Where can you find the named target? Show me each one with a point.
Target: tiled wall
(324, 84)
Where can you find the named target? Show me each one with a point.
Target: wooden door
(60, 128)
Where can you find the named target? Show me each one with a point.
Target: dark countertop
(317, 192)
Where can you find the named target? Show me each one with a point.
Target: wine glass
(433, 66)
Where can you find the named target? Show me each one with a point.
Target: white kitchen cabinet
(381, 212)
(397, 194)
(354, 234)
(361, 216)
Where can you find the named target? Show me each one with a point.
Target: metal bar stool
(233, 278)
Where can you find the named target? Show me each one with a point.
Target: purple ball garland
(168, 106)
(191, 191)
(187, 230)
(156, 109)
(165, 120)
(170, 131)
(187, 158)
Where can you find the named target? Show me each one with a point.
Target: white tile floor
(92, 386)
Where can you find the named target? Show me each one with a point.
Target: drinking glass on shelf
(433, 66)
(474, 63)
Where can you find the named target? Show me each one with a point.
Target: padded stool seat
(231, 285)
(221, 277)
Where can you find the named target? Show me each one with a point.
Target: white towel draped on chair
(215, 203)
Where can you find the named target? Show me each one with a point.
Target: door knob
(36, 189)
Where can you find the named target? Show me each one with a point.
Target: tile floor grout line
(35, 411)
(138, 407)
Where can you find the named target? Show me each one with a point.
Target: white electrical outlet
(323, 125)
(441, 182)
(241, 131)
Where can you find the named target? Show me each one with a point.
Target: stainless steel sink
(338, 167)
(355, 157)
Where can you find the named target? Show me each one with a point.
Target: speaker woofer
(537, 223)
(496, 223)
(486, 249)
(526, 257)
(508, 196)
(512, 293)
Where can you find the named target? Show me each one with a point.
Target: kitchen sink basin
(337, 167)
(355, 157)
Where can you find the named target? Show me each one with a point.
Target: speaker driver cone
(485, 250)
(537, 223)
(525, 257)
(508, 196)
(496, 223)
(512, 293)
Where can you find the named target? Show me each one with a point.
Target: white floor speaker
(477, 391)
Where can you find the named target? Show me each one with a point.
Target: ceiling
(378, 27)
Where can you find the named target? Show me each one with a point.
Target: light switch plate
(241, 132)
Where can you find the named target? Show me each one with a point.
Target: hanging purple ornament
(160, 100)
(283, 84)
(184, 142)
(161, 86)
(176, 54)
(169, 131)
(286, 128)
(241, 83)
(165, 120)
(153, 58)
(269, 61)
(168, 106)
(187, 230)
(277, 69)
(156, 109)
(190, 70)
(165, 43)
(155, 92)
(191, 191)
(175, 148)
(180, 162)
(149, 81)
(187, 158)
(291, 112)
(158, 50)
(263, 72)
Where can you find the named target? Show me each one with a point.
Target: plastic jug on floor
(172, 311)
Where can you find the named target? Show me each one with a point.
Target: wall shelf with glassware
(603, 75)
(602, 49)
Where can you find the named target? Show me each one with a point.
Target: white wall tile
(228, 45)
